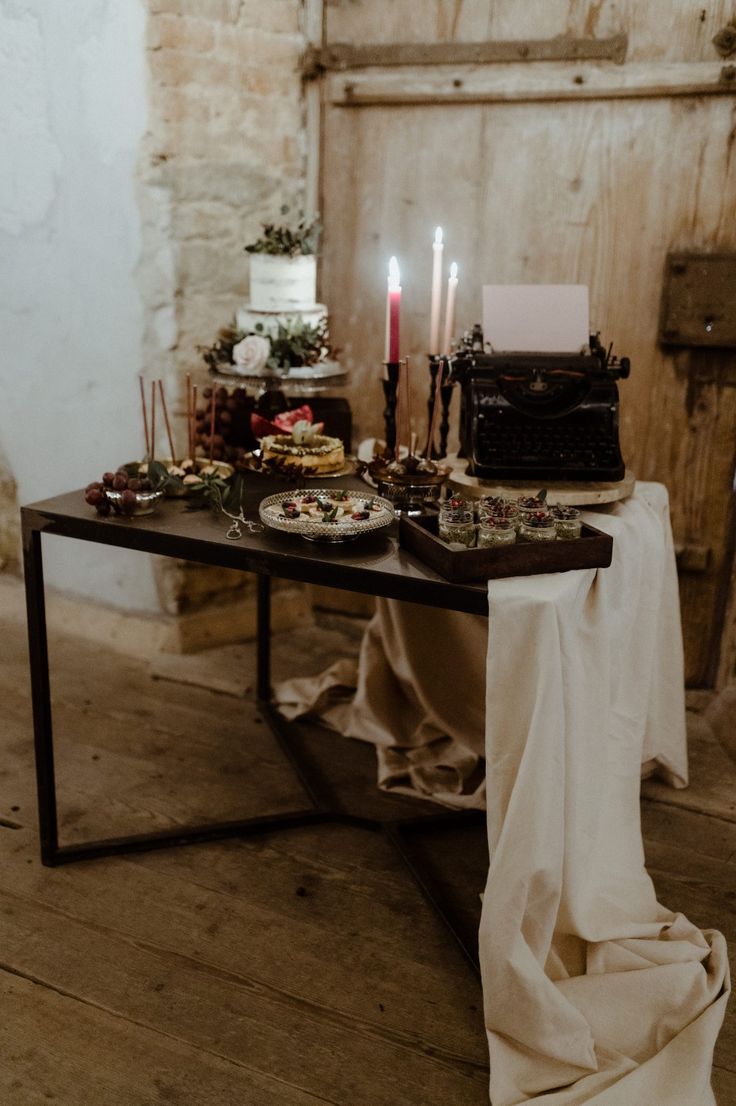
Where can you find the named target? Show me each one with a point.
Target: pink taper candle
(393, 305)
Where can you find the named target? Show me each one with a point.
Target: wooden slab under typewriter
(569, 494)
(593, 549)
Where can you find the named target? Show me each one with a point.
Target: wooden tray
(593, 549)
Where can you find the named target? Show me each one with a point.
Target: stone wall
(10, 549)
(224, 150)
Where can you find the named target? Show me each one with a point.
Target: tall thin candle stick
(189, 414)
(407, 405)
(166, 420)
(399, 410)
(450, 310)
(212, 422)
(194, 420)
(145, 415)
(434, 313)
(153, 419)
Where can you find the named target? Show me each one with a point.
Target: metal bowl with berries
(121, 493)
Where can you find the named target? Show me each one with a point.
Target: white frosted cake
(281, 289)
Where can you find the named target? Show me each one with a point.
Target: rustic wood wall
(549, 171)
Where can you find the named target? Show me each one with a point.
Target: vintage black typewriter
(539, 416)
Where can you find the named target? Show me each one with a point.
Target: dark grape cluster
(233, 436)
(122, 482)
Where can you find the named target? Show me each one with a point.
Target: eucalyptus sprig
(284, 241)
(297, 343)
(216, 492)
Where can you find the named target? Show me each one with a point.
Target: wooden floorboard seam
(692, 807)
(339, 1019)
(148, 1028)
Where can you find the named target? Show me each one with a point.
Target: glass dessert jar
(537, 526)
(531, 504)
(567, 522)
(503, 509)
(456, 522)
(496, 530)
(491, 504)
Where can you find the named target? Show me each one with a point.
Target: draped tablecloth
(593, 991)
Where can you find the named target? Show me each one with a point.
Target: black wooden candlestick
(390, 384)
(446, 395)
(439, 365)
(434, 366)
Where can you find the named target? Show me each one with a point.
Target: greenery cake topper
(284, 241)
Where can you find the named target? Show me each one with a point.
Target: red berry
(120, 481)
(128, 501)
(108, 478)
(94, 496)
(104, 508)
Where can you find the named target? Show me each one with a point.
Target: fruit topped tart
(294, 443)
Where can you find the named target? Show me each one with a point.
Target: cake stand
(294, 381)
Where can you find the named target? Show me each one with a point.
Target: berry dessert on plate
(326, 515)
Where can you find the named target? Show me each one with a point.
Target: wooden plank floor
(296, 969)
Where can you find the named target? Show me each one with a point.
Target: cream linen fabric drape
(593, 992)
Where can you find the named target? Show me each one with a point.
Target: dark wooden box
(593, 549)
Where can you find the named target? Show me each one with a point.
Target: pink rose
(251, 354)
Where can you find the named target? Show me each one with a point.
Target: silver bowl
(145, 502)
(408, 499)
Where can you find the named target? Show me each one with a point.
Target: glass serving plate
(314, 528)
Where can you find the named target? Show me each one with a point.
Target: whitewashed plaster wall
(72, 116)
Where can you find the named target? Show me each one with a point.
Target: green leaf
(233, 498)
(159, 476)
(285, 241)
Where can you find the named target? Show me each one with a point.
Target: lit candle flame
(453, 271)
(438, 236)
(393, 276)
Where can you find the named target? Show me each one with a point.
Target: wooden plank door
(550, 171)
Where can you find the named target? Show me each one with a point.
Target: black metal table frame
(319, 811)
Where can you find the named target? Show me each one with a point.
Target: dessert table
(568, 683)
